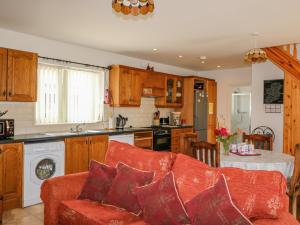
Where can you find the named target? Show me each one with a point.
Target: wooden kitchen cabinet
(80, 150)
(77, 155)
(18, 74)
(212, 111)
(11, 175)
(173, 93)
(125, 84)
(97, 147)
(3, 73)
(175, 138)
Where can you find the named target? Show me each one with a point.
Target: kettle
(121, 122)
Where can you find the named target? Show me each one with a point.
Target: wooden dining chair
(259, 141)
(201, 150)
(294, 183)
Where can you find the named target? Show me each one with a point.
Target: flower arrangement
(224, 137)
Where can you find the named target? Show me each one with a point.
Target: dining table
(267, 160)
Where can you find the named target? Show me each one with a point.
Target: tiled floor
(33, 215)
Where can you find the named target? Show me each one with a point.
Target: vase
(226, 148)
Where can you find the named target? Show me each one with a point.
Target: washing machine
(41, 161)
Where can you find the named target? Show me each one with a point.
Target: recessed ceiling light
(203, 57)
(219, 66)
(202, 62)
(180, 56)
(155, 49)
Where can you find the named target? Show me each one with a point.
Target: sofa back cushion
(258, 194)
(146, 160)
(193, 176)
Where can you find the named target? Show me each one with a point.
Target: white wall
(24, 113)
(261, 72)
(227, 81)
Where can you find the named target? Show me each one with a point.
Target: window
(69, 95)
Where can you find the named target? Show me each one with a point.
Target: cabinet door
(170, 90)
(3, 73)
(97, 147)
(212, 110)
(179, 91)
(22, 76)
(12, 166)
(125, 86)
(77, 155)
(136, 88)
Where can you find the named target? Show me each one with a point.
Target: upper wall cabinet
(125, 84)
(18, 75)
(173, 93)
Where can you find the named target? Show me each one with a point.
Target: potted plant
(224, 137)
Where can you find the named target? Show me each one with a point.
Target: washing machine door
(45, 169)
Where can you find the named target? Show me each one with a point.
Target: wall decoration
(272, 108)
(273, 91)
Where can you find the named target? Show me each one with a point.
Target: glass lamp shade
(256, 55)
(133, 7)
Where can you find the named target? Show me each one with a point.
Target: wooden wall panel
(291, 113)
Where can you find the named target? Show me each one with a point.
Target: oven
(162, 139)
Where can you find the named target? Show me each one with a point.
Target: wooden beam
(284, 60)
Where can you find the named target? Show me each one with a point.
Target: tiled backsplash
(24, 116)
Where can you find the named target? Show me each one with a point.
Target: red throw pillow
(161, 203)
(258, 194)
(214, 206)
(122, 192)
(98, 182)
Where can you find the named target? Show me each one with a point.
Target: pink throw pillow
(161, 204)
(98, 182)
(214, 206)
(122, 192)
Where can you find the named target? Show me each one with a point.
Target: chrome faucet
(77, 128)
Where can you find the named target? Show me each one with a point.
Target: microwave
(7, 128)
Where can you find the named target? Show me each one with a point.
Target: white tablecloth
(267, 161)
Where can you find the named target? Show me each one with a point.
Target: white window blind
(69, 95)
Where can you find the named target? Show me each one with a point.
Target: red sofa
(61, 206)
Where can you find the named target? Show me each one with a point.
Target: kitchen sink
(59, 133)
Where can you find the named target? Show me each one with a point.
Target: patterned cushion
(122, 191)
(160, 162)
(161, 203)
(85, 212)
(258, 194)
(193, 176)
(214, 206)
(98, 182)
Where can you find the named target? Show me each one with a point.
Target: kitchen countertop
(54, 136)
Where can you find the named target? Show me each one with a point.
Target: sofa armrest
(58, 189)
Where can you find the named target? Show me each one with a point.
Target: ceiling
(219, 30)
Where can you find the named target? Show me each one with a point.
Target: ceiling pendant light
(255, 55)
(133, 7)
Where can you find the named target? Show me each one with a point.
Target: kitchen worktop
(54, 136)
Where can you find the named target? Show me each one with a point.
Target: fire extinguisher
(107, 96)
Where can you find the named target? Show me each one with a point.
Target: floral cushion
(192, 176)
(122, 191)
(214, 206)
(98, 182)
(258, 194)
(161, 203)
(160, 162)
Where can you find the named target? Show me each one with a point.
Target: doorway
(241, 109)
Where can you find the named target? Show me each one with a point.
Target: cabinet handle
(90, 142)
(4, 93)
(9, 93)
(1, 151)
(1, 198)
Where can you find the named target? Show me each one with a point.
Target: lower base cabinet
(175, 138)
(11, 176)
(80, 150)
